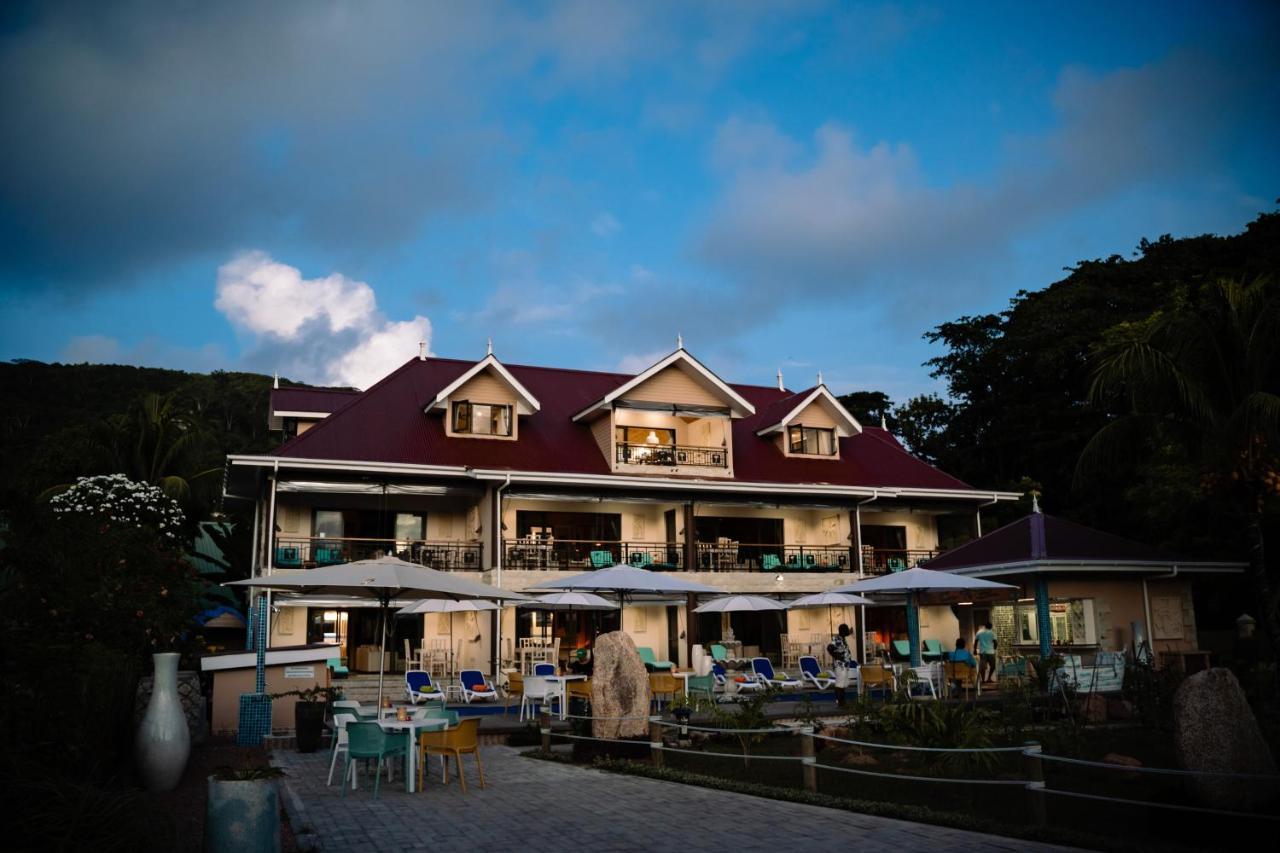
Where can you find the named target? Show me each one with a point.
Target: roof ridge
(355, 400)
(324, 389)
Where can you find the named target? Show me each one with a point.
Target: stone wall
(194, 703)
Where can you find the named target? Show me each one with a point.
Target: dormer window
(481, 418)
(812, 441)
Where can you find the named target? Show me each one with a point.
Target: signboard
(300, 672)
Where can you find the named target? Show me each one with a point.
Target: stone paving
(538, 806)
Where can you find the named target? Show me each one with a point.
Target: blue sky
(314, 187)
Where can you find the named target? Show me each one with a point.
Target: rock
(1214, 730)
(619, 688)
(859, 759)
(1122, 760)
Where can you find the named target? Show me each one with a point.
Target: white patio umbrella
(911, 583)
(828, 600)
(739, 603)
(383, 579)
(449, 606)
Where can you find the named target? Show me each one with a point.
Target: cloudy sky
(315, 187)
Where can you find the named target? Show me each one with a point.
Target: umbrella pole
(913, 629)
(382, 655)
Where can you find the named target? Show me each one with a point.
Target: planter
(242, 816)
(308, 722)
(163, 742)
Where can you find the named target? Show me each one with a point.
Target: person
(984, 643)
(842, 662)
(961, 654)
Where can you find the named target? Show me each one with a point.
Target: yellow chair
(515, 687)
(962, 674)
(580, 689)
(462, 738)
(874, 675)
(663, 684)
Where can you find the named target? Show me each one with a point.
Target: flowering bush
(124, 501)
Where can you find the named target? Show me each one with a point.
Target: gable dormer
(673, 418)
(486, 401)
(810, 424)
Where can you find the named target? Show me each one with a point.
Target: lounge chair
(601, 559)
(419, 687)
(764, 670)
(288, 557)
(336, 667)
(368, 740)
(902, 649)
(813, 674)
(932, 650)
(475, 687)
(742, 682)
(769, 563)
(719, 653)
(641, 560)
(651, 662)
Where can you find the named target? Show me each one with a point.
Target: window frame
(462, 417)
(801, 430)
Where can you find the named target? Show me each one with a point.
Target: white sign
(299, 672)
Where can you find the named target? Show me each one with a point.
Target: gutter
(497, 574)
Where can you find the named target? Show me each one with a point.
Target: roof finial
(1035, 501)
(275, 382)
(884, 426)
(422, 350)
(819, 377)
(490, 352)
(679, 341)
(781, 387)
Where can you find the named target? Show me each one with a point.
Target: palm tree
(1204, 374)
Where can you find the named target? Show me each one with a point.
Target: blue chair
(368, 740)
(769, 562)
(932, 650)
(651, 661)
(474, 686)
(288, 556)
(749, 683)
(544, 669)
(641, 559)
(419, 686)
(601, 559)
(812, 673)
(764, 670)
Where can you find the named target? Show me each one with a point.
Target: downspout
(978, 512)
(271, 548)
(1146, 608)
(497, 575)
(253, 572)
(857, 539)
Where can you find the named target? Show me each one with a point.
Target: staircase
(364, 688)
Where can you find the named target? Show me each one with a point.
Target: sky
(312, 188)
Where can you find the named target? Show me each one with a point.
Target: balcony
(580, 555)
(310, 552)
(730, 556)
(882, 561)
(671, 455)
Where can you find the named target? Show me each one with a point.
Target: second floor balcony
(310, 552)
(671, 455)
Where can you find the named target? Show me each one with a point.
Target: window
(329, 524)
(410, 526)
(1071, 623)
(481, 418)
(658, 436)
(812, 441)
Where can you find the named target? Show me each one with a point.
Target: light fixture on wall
(651, 438)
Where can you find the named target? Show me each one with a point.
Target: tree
(922, 425)
(868, 407)
(1202, 380)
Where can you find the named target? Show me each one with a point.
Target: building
(517, 472)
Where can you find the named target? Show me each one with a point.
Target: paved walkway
(538, 806)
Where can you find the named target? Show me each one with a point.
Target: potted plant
(242, 812)
(309, 713)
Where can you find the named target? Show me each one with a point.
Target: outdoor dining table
(411, 728)
(564, 693)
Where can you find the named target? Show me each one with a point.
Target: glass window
(1071, 622)
(410, 526)
(329, 523)
(812, 441)
(481, 418)
(659, 436)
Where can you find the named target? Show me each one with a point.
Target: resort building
(514, 473)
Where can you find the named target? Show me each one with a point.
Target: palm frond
(1111, 446)
(1145, 372)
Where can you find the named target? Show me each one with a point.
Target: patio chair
(641, 560)
(896, 564)
(873, 677)
(601, 559)
(475, 687)
(702, 686)
(537, 691)
(901, 650)
(368, 740)
(813, 674)
(456, 741)
(719, 654)
(1012, 668)
(742, 682)
(961, 675)
(353, 707)
(336, 667)
(340, 722)
(914, 679)
(514, 688)
(932, 650)
(651, 662)
(544, 669)
(419, 686)
(769, 563)
(328, 555)
(662, 685)
(764, 669)
(288, 557)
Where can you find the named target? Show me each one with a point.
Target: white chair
(538, 691)
(340, 744)
(813, 674)
(355, 708)
(923, 675)
(764, 670)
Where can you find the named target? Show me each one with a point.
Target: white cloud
(605, 225)
(636, 362)
(324, 330)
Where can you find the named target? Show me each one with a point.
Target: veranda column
(913, 629)
(1044, 629)
(690, 539)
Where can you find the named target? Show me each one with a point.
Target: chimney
(422, 350)
(781, 387)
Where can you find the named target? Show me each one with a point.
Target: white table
(562, 680)
(411, 729)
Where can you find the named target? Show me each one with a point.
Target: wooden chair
(877, 677)
(961, 674)
(662, 684)
(462, 738)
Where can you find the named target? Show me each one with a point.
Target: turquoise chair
(897, 564)
(601, 559)
(902, 649)
(702, 686)
(769, 562)
(932, 650)
(288, 556)
(641, 560)
(336, 667)
(328, 555)
(650, 661)
(368, 740)
(719, 653)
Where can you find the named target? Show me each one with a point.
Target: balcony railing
(310, 552)
(672, 455)
(882, 561)
(581, 555)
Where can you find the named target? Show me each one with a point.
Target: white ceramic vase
(163, 743)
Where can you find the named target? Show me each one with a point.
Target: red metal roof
(1046, 537)
(387, 423)
(326, 400)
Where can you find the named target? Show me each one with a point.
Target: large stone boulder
(1214, 730)
(619, 688)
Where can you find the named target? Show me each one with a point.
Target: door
(673, 632)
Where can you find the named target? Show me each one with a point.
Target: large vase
(163, 743)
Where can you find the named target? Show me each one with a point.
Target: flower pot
(163, 742)
(308, 722)
(242, 816)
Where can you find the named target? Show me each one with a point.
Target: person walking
(984, 643)
(842, 662)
